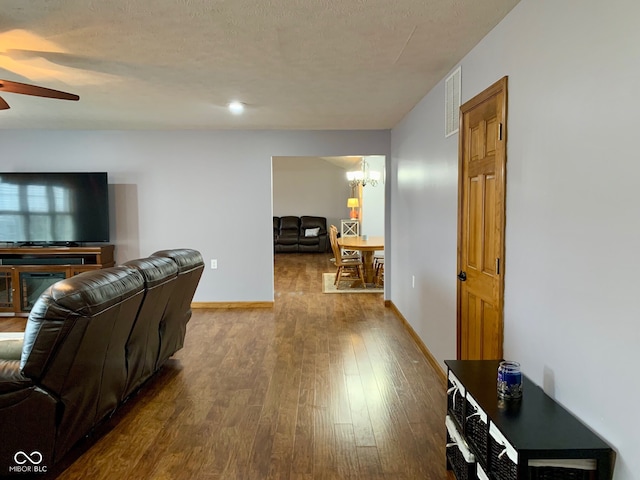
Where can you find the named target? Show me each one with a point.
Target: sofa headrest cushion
(91, 292)
(155, 270)
(85, 295)
(290, 223)
(314, 222)
(186, 258)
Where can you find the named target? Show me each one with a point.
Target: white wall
(310, 186)
(205, 190)
(372, 211)
(572, 232)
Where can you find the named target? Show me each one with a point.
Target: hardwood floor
(319, 387)
(12, 324)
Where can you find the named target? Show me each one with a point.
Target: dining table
(367, 246)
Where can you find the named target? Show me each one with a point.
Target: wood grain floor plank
(369, 465)
(360, 417)
(324, 460)
(346, 456)
(302, 460)
(12, 324)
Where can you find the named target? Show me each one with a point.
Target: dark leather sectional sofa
(90, 342)
(300, 234)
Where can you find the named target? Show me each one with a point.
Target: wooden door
(481, 220)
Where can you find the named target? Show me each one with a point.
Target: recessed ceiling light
(236, 107)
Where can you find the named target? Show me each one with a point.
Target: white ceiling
(175, 64)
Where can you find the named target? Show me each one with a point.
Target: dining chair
(378, 276)
(345, 256)
(348, 267)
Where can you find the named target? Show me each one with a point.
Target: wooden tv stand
(26, 271)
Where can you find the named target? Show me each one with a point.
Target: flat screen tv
(47, 208)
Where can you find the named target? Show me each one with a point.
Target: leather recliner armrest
(11, 378)
(27, 419)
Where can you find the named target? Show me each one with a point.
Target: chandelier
(364, 176)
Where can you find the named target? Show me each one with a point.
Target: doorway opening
(318, 186)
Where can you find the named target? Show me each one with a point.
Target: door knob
(462, 276)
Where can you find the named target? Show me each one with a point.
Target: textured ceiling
(175, 64)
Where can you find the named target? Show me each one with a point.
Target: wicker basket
(462, 469)
(455, 399)
(459, 457)
(563, 469)
(482, 475)
(559, 473)
(476, 429)
(501, 466)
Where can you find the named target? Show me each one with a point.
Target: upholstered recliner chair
(313, 234)
(276, 229)
(287, 238)
(73, 368)
(160, 276)
(173, 325)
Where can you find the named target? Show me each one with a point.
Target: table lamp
(353, 203)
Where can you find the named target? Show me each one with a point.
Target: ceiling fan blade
(26, 89)
(4, 105)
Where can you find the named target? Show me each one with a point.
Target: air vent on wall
(452, 102)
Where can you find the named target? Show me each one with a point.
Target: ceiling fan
(26, 89)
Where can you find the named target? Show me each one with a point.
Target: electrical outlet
(214, 263)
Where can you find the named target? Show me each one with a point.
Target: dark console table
(532, 431)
